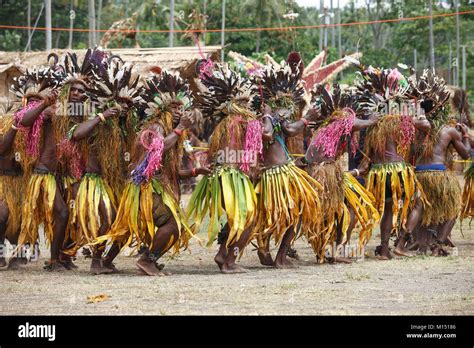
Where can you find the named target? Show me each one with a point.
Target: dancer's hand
(51, 99)
(186, 120)
(203, 171)
(374, 116)
(462, 128)
(49, 112)
(266, 110)
(114, 111)
(313, 114)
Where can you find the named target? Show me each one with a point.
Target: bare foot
(231, 269)
(160, 267)
(438, 251)
(15, 263)
(219, 259)
(66, 260)
(148, 266)
(383, 257)
(110, 266)
(283, 264)
(54, 266)
(265, 257)
(342, 260)
(401, 252)
(293, 253)
(449, 242)
(97, 268)
(3, 263)
(159, 274)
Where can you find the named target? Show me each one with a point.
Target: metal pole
(325, 28)
(222, 31)
(464, 72)
(72, 15)
(414, 59)
(321, 20)
(456, 4)
(333, 29)
(99, 20)
(171, 38)
(339, 29)
(91, 9)
(432, 50)
(48, 25)
(34, 28)
(29, 21)
(450, 65)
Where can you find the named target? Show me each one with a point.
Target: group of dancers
(93, 156)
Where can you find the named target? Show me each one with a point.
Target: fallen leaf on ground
(97, 298)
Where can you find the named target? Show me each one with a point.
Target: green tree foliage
(383, 44)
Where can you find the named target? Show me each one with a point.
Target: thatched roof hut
(182, 59)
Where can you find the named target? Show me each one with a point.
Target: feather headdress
(279, 87)
(376, 87)
(224, 87)
(37, 82)
(160, 91)
(115, 82)
(431, 90)
(94, 61)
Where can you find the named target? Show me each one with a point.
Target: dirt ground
(420, 285)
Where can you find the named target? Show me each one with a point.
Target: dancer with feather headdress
(15, 166)
(96, 200)
(390, 179)
(288, 198)
(431, 153)
(234, 146)
(149, 214)
(73, 107)
(344, 198)
(44, 203)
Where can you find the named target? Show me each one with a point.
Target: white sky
(315, 3)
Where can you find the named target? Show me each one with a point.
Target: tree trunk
(99, 20)
(171, 35)
(91, 15)
(48, 25)
(29, 22)
(432, 49)
(223, 31)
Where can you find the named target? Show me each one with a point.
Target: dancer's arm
(31, 115)
(87, 127)
(6, 141)
(362, 124)
(461, 141)
(422, 124)
(185, 121)
(188, 173)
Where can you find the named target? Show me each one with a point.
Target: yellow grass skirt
(341, 192)
(467, 209)
(287, 195)
(135, 220)
(443, 191)
(85, 221)
(401, 178)
(12, 192)
(38, 208)
(227, 190)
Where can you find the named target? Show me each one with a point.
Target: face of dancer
(77, 93)
(178, 110)
(283, 114)
(125, 105)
